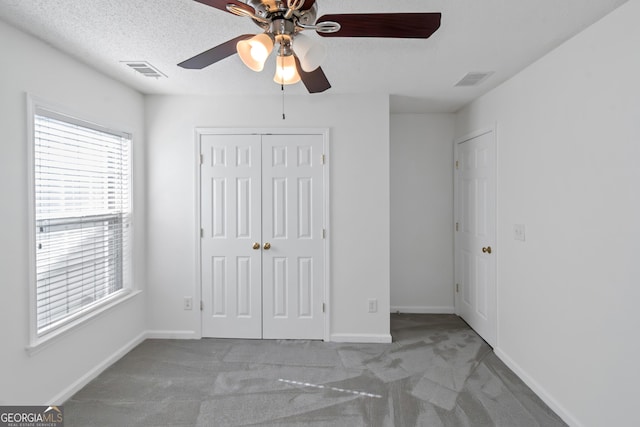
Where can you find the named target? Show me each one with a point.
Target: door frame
(199, 131)
(493, 129)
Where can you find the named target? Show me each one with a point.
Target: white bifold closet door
(262, 246)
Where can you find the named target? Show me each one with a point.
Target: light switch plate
(519, 232)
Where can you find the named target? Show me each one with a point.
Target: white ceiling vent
(144, 68)
(474, 78)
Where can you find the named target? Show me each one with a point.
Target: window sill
(42, 342)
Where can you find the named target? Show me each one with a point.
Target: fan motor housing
(281, 26)
(273, 9)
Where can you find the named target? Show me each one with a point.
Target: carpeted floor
(437, 372)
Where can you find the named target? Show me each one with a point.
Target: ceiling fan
(299, 57)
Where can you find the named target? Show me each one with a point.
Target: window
(82, 212)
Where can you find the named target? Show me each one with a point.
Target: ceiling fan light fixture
(310, 52)
(283, 20)
(255, 51)
(286, 70)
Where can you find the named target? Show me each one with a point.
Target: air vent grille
(144, 68)
(474, 78)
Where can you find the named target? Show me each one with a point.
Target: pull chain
(282, 88)
(282, 80)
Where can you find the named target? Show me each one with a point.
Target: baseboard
(422, 309)
(538, 389)
(173, 335)
(362, 338)
(77, 385)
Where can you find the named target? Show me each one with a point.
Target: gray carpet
(437, 372)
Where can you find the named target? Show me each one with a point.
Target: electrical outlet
(373, 305)
(519, 232)
(188, 303)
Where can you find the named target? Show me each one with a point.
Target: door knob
(256, 246)
(486, 250)
(267, 246)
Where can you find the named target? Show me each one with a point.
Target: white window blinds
(82, 216)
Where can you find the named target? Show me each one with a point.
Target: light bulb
(286, 70)
(254, 52)
(310, 52)
(259, 51)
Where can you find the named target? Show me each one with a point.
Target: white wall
(422, 213)
(568, 150)
(51, 374)
(359, 231)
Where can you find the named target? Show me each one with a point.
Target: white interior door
(292, 228)
(262, 244)
(476, 234)
(231, 224)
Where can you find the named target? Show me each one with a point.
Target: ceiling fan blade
(308, 4)
(222, 4)
(315, 81)
(214, 54)
(387, 25)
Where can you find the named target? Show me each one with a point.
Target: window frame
(38, 340)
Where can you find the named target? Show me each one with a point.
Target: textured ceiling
(491, 35)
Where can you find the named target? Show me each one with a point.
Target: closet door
(292, 234)
(230, 203)
(262, 245)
